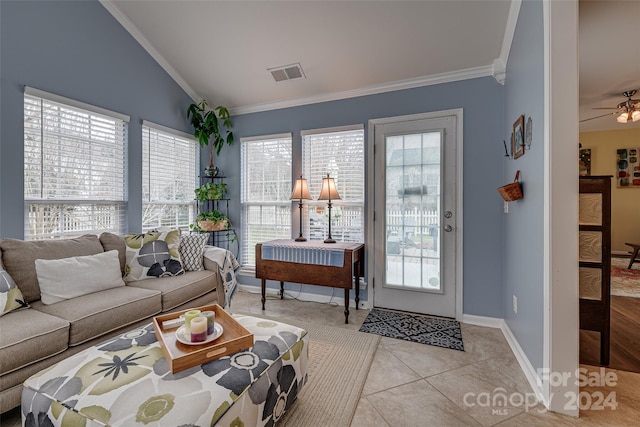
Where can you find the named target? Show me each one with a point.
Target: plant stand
(226, 238)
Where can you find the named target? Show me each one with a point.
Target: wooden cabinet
(595, 258)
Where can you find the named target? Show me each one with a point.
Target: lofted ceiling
(222, 50)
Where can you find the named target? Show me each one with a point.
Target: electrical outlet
(506, 207)
(515, 304)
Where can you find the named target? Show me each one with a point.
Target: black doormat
(411, 327)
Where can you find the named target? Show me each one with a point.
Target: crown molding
(500, 63)
(146, 45)
(469, 73)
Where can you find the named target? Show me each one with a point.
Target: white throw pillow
(66, 278)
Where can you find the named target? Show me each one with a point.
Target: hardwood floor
(625, 337)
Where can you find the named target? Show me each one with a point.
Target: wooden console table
(315, 274)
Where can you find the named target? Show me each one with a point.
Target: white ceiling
(221, 50)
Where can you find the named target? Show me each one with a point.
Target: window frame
(102, 130)
(194, 162)
(315, 183)
(246, 204)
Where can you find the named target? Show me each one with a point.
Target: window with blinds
(169, 177)
(339, 152)
(74, 168)
(266, 188)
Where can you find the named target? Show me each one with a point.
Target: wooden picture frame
(517, 141)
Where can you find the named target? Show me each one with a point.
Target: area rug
(625, 282)
(411, 327)
(339, 362)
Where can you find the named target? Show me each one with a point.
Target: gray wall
(482, 101)
(523, 227)
(78, 50)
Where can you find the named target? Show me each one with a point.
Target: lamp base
(300, 239)
(329, 240)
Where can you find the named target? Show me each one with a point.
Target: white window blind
(339, 152)
(169, 177)
(266, 188)
(74, 169)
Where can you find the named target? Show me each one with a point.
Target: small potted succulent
(211, 221)
(211, 191)
(211, 126)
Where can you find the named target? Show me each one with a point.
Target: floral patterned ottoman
(126, 381)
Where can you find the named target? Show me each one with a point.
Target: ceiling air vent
(287, 72)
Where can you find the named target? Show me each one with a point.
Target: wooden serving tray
(235, 337)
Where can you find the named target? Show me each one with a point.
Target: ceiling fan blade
(597, 117)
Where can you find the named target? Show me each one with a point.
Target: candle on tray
(211, 321)
(188, 316)
(198, 329)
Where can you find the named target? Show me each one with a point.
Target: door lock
(448, 228)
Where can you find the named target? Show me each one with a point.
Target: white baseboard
(303, 296)
(526, 366)
(489, 322)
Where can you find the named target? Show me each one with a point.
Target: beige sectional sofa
(31, 339)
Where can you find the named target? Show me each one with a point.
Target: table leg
(633, 256)
(281, 290)
(264, 292)
(357, 284)
(346, 306)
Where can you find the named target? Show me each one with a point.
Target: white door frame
(370, 249)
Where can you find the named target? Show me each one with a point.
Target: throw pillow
(192, 251)
(66, 278)
(152, 254)
(10, 296)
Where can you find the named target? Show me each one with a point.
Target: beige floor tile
(486, 389)
(387, 372)
(367, 416)
(418, 404)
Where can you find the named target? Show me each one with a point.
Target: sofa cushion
(66, 278)
(152, 254)
(10, 296)
(112, 241)
(179, 290)
(28, 336)
(96, 314)
(18, 257)
(192, 251)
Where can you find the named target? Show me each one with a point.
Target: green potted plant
(211, 221)
(211, 126)
(211, 191)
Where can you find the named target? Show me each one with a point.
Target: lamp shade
(300, 190)
(622, 118)
(635, 116)
(329, 190)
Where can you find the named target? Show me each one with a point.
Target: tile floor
(419, 385)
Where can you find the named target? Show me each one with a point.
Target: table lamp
(329, 192)
(300, 192)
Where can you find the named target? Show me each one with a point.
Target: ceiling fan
(629, 110)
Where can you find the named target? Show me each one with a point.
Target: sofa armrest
(212, 266)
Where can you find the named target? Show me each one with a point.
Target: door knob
(448, 227)
(448, 214)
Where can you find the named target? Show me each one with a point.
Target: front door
(415, 218)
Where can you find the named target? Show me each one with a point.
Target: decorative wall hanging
(628, 167)
(584, 165)
(529, 133)
(517, 140)
(511, 192)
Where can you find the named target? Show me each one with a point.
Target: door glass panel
(412, 217)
